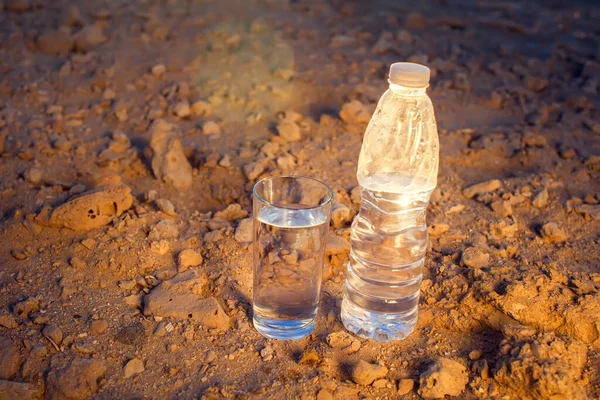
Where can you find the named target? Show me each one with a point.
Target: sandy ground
(132, 132)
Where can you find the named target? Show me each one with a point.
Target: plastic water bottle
(397, 171)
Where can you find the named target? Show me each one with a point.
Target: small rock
(355, 112)
(289, 130)
(98, 327)
(438, 229)
(475, 258)
(211, 128)
(77, 263)
(532, 139)
(340, 216)
(405, 386)
(23, 308)
(182, 109)
(343, 340)
(164, 229)
(34, 176)
(475, 355)
(160, 247)
(267, 353)
(159, 70)
(89, 37)
(310, 357)
(502, 208)
(77, 381)
(381, 383)
(169, 163)
(415, 21)
(189, 258)
(56, 42)
(589, 211)
(481, 188)
(444, 378)
(324, 395)
(54, 333)
(225, 161)
(244, 232)
(166, 206)
(8, 321)
(253, 170)
(336, 245)
(18, 391)
(232, 213)
(540, 200)
(134, 367)
(10, 358)
(552, 233)
(365, 373)
(181, 298)
(201, 108)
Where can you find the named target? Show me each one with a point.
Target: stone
(355, 112)
(232, 213)
(25, 307)
(77, 263)
(98, 327)
(365, 373)
(340, 216)
(133, 367)
(158, 70)
(589, 211)
(160, 247)
(324, 395)
(164, 229)
(336, 245)
(211, 128)
(77, 381)
(244, 233)
(189, 258)
(8, 321)
(92, 209)
(482, 188)
(532, 139)
(169, 164)
(475, 258)
(182, 297)
(54, 333)
(267, 353)
(182, 109)
(18, 391)
(166, 206)
(201, 108)
(55, 42)
(34, 176)
(445, 377)
(540, 200)
(289, 130)
(89, 37)
(10, 358)
(553, 233)
(253, 170)
(405, 386)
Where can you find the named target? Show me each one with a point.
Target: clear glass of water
(291, 219)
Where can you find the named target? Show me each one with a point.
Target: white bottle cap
(409, 74)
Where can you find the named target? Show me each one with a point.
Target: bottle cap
(409, 74)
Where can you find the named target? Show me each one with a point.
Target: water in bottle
(397, 171)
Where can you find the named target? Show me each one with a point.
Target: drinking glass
(291, 219)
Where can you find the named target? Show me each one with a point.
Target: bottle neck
(407, 91)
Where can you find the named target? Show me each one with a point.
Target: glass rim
(297, 177)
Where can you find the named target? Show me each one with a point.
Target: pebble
(189, 258)
(540, 200)
(54, 333)
(34, 176)
(482, 188)
(244, 232)
(553, 233)
(324, 395)
(381, 383)
(211, 128)
(182, 109)
(475, 258)
(134, 367)
(253, 170)
(343, 340)
(164, 229)
(289, 130)
(160, 247)
(201, 108)
(78, 380)
(55, 42)
(445, 377)
(232, 213)
(340, 216)
(77, 263)
(98, 327)
(365, 373)
(355, 112)
(475, 355)
(159, 70)
(89, 37)
(8, 321)
(169, 163)
(267, 353)
(166, 206)
(405, 386)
